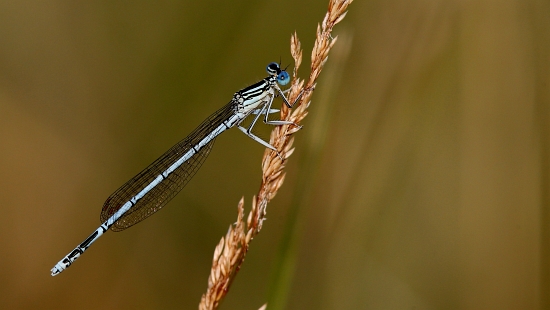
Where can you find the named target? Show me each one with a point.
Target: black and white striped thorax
(251, 97)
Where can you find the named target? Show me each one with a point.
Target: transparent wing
(158, 196)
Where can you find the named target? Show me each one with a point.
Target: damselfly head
(282, 77)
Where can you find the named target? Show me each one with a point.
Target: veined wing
(159, 195)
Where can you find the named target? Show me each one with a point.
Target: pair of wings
(162, 193)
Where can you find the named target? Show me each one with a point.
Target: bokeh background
(421, 179)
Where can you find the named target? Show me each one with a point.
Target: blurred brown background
(421, 179)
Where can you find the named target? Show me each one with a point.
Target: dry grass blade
(231, 251)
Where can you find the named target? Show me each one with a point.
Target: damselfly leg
(266, 110)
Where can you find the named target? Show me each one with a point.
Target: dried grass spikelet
(231, 250)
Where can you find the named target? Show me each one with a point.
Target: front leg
(285, 100)
(280, 122)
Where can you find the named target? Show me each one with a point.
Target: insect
(152, 188)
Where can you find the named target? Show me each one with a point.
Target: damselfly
(151, 189)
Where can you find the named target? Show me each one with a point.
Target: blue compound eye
(283, 78)
(273, 68)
